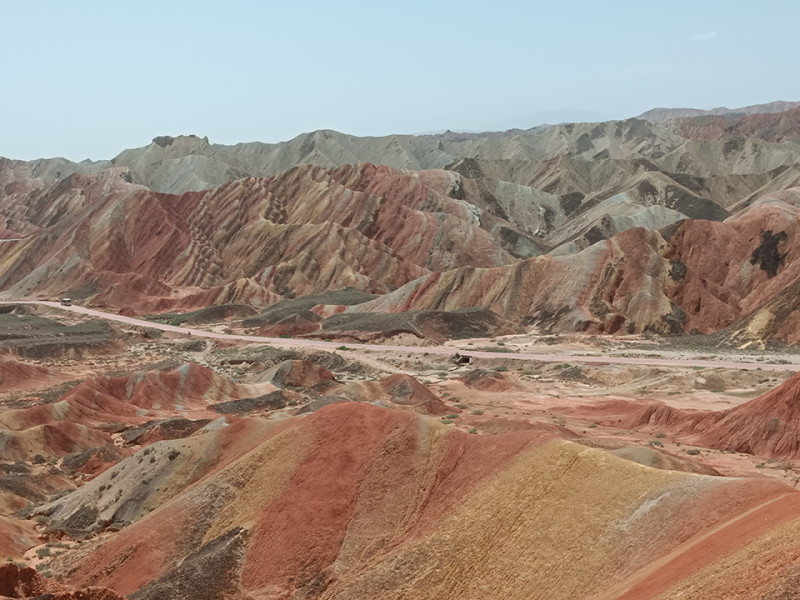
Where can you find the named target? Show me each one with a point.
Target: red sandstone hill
(146, 407)
(305, 231)
(696, 276)
(19, 376)
(134, 398)
(357, 501)
(80, 419)
(251, 240)
(768, 426)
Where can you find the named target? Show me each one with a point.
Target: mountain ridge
(665, 114)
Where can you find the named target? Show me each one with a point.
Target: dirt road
(441, 350)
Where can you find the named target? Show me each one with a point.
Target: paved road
(443, 350)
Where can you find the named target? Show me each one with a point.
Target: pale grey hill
(787, 178)
(617, 214)
(570, 202)
(396, 151)
(162, 164)
(734, 156)
(155, 165)
(657, 115)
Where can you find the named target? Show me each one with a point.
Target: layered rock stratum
(675, 226)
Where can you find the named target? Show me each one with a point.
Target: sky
(87, 79)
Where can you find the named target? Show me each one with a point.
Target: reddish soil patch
(18, 376)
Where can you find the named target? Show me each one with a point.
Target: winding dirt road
(442, 350)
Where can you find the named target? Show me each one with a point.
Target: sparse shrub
(477, 411)
(446, 421)
(451, 417)
(39, 459)
(661, 435)
(655, 443)
(693, 452)
(462, 406)
(501, 368)
(42, 552)
(593, 425)
(473, 430)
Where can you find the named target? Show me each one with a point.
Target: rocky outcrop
(297, 374)
(766, 426)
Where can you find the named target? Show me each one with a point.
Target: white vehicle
(66, 302)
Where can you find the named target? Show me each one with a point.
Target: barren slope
(306, 231)
(697, 275)
(358, 501)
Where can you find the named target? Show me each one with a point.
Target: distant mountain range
(665, 114)
(587, 226)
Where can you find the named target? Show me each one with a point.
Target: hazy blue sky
(86, 79)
